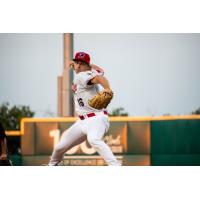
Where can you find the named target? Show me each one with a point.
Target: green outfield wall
(175, 142)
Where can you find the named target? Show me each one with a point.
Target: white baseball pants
(92, 129)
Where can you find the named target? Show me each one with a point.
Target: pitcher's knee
(94, 142)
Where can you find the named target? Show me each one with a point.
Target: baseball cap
(82, 56)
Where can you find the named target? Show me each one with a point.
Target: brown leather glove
(101, 100)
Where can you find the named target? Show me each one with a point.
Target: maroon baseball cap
(82, 56)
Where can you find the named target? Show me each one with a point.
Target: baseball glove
(101, 100)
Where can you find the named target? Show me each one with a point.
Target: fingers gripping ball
(101, 100)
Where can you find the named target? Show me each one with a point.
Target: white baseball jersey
(85, 92)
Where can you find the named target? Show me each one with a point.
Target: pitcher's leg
(104, 150)
(95, 134)
(71, 137)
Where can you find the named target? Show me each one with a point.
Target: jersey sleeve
(85, 77)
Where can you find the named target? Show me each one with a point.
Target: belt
(82, 117)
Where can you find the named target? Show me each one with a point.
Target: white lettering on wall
(115, 144)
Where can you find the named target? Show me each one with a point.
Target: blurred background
(163, 68)
(152, 75)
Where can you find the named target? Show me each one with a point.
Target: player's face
(76, 67)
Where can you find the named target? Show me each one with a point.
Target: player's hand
(97, 68)
(108, 90)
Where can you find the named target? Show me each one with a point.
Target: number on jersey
(80, 102)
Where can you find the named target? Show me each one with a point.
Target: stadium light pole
(65, 97)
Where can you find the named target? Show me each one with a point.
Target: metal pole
(65, 97)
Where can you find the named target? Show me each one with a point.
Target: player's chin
(76, 71)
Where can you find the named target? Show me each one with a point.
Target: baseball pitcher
(90, 105)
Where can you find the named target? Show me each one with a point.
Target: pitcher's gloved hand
(101, 100)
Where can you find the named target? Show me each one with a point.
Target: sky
(150, 74)
(30, 64)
